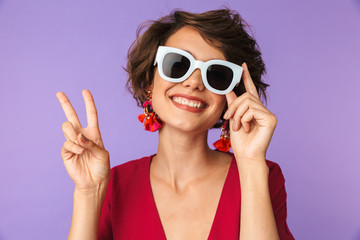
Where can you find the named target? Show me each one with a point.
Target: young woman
(185, 69)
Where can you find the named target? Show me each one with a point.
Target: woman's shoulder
(274, 170)
(131, 169)
(132, 164)
(273, 166)
(276, 178)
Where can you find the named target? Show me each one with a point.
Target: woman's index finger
(248, 82)
(91, 112)
(68, 109)
(230, 97)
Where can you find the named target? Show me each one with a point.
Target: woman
(185, 69)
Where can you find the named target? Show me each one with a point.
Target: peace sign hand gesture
(251, 124)
(85, 158)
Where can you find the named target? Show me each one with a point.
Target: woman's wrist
(87, 210)
(88, 202)
(252, 168)
(250, 161)
(89, 193)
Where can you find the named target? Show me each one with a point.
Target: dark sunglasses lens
(219, 77)
(175, 65)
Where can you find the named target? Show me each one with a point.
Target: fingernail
(79, 150)
(235, 125)
(226, 115)
(83, 138)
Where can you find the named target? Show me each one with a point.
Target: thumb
(92, 147)
(230, 97)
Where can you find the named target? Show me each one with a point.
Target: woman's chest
(188, 213)
(141, 209)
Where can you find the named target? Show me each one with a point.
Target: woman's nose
(194, 81)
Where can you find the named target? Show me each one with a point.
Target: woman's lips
(188, 103)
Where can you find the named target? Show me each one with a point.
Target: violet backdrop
(311, 50)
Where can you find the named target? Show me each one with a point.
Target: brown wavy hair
(223, 28)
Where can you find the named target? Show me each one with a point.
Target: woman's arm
(251, 130)
(88, 164)
(86, 212)
(257, 217)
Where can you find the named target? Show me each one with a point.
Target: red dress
(129, 210)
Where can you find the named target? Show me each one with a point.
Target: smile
(189, 103)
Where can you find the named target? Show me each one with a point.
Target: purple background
(311, 49)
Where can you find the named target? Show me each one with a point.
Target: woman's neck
(182, 157)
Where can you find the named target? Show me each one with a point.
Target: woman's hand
(85, 158)
(251, 124)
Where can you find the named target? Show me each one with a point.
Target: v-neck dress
(129, 210)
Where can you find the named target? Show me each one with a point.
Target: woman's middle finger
(244, 99)
(243, 107)
(91, 112)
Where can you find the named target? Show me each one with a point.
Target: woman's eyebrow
(188, 52)
(198, 59)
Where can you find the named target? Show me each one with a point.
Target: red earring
(151, 121)
(223, 144)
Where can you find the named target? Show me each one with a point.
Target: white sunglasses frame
(194, 64)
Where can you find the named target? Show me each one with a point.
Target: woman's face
(173, 102)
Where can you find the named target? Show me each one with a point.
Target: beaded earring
(224, 144)
(151, 121)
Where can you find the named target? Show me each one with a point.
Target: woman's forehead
(189, 39)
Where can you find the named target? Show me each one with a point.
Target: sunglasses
(176, 65)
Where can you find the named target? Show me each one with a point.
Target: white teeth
(183, 101)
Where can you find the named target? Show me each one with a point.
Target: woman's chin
(185, 127)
